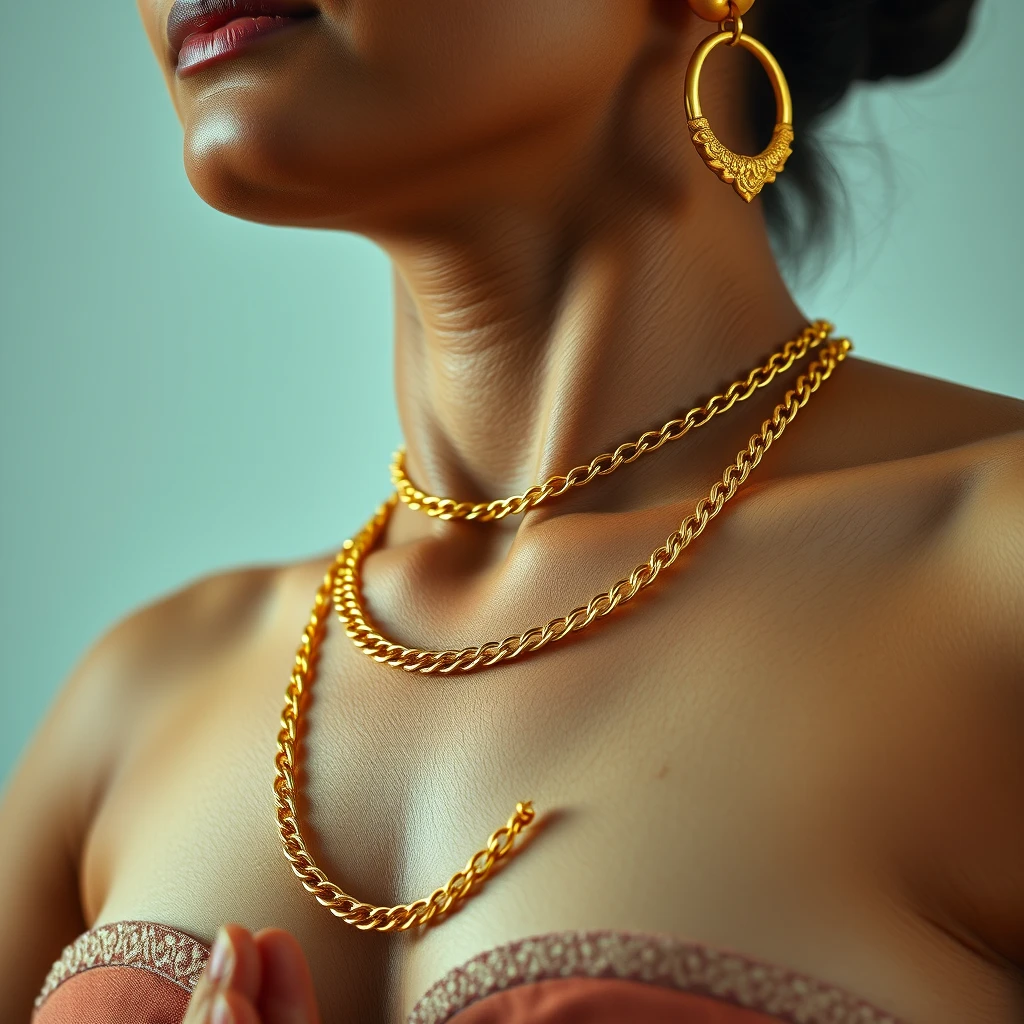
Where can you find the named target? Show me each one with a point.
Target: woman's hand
(254, 979)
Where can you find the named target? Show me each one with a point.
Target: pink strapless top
(137, 972)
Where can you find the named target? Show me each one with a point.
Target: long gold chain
(365, 916)
(340, 586)
(778, 362)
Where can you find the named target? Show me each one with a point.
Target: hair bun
(909, 37)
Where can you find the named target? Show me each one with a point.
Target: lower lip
(203, 48)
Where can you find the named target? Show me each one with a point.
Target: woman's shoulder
(218, 614)
(884, 433)
(131, 667)
(900, 469)
(200, 618)
(935, 433)
(898, 413)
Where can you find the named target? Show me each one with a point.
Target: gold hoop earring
(747, 174)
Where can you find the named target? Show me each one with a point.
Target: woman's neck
(581, 309)
(521, 355)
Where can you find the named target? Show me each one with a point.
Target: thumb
(229, 984)
(286, 994)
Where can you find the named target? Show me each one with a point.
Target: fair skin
(805, 745)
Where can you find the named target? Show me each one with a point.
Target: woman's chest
(766, 793)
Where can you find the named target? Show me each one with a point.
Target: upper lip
(189, 16)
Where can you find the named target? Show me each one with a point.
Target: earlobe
(719, 10)
(673, 13)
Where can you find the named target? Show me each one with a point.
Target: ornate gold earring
(747, 174)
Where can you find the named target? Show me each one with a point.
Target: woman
(783, 782)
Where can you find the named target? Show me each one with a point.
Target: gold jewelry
(719, 10)
(747, 174)
(602, 465)
(348, 605)
(342, 583)
(365, 916)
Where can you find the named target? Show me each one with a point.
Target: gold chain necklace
(365, 916)
(346, 583)
(739, 391)
(341, 583)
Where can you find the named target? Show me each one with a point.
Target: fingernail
(222, 1011)
(221, 959)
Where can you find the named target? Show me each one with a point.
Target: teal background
(145, 440)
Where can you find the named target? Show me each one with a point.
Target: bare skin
(806, 744)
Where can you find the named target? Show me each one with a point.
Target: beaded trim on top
(661, 960)
(683, 965)
(149, 947)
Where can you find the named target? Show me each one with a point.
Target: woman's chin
(274, 177)
(256, 175)
(241, 191)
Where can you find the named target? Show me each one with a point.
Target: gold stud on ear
(747, 174)
(719, 10)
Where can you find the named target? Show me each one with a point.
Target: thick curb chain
(365, 916)
(349, 608)
(608, 462)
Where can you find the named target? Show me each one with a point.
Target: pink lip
(203, 48)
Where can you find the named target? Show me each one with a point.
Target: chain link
(778, 362)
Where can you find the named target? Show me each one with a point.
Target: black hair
(824, 47)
